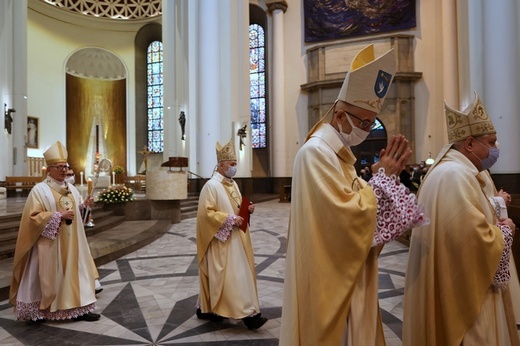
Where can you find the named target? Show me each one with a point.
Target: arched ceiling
(95, 63)
(111, 9)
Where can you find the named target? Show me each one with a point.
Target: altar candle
(81, 174)
(89, 186)
(113, 178)
(44, 171)
(97, 140)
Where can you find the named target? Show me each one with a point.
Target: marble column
(277, 118)
(502, 79)
(208, 85)
(221, 77)
(170, 97)
(449, 44)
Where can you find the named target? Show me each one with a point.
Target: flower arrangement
(116, 194)
(118, 169)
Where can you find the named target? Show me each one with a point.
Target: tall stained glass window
(257, 85)
(154, 72)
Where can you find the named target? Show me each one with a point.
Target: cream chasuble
(226, 269)
(449, 296)
(330, 271)
(52, 278)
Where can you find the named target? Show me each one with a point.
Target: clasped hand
(510, 223)
(67, 214)
(394, 157)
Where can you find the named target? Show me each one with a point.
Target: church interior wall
(447, 74)
(6, 82)
(50, 43)
(430, 133)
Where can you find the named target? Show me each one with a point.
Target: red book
(244, 213)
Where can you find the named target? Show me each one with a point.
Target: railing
(198, 176)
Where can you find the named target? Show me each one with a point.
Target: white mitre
(368, 81)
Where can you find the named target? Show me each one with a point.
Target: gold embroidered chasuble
(331, 270)
(58, 273)
(226, 269)
(449, 296)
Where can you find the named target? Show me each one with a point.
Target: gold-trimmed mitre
(473, 121)
(368, 81)
(227, 152)
(55, 153)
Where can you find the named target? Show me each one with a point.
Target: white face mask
(231, 171)
(355, 137)
(70, 180)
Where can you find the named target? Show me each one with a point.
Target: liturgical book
(244, 213)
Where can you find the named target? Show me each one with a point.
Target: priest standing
(224, 248)
(456, 288)
(53, 270)
(339, 222)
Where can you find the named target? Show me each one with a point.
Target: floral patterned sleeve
(502, 275)
(225, 230)
(53, 226)
(397, 208)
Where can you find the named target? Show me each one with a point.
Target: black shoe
(254, 322)
(90, 317)
(35, 321)
(98, 290)
(208, 316)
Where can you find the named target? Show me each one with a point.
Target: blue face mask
(491, 159)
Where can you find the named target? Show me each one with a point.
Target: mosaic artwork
(335, 19)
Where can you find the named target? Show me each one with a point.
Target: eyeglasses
(363, 124)
(60, 167)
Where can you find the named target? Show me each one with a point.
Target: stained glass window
(154, 62)
(257, 86)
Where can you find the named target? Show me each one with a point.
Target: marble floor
(149, 296)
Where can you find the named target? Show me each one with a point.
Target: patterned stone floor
(149, 296)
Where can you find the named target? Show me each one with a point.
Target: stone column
(169, 25)
(449, 44)
(277, 118)
(221, 77)
(502, 79)
(208, 85)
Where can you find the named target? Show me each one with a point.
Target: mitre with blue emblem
(367, 83)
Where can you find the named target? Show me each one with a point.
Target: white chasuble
(226, 269)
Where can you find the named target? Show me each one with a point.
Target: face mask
(355, 137)
(231, 171)
(70, 180)
(491, 159)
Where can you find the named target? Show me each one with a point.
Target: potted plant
(115, 197)
(118, 171)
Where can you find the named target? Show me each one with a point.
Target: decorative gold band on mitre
(55, 153)
(473, 121)
(227, 152)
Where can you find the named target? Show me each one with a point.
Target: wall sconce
(182, 122)
(8, 119)
(429, 161)
(242, 133)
